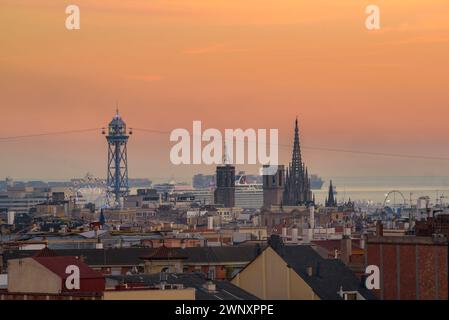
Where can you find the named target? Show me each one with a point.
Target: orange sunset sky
(230, 64)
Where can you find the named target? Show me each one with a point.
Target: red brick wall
(443, 272)
(432, 270)
(426, 272)
(389, 272)
(356, 258)
(407, 270)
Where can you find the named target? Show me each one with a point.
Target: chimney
(362, 242)
(99, 244)
(210, 222)
(163, 277)
(295, 234)
(255, 220)
(379, 228)
(312, 217)
(309, 271)
(11, 216)
(346, 249)
(210, 286)
(309, 235)
(284, 232)
(211, 274)
(276, 243)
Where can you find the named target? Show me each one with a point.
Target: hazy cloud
(212, 48)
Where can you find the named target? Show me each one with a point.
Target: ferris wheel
(394, 200)
(90, 189)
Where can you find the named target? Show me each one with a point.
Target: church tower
(224, 193)
(297, 182)
(273, 187)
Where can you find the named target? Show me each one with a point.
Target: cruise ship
(248, 193)
(316, 182)
(248, 189)
(201, 181)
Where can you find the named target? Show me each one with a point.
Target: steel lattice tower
(117, 137)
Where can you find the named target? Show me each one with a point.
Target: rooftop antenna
(410, 213)
(226, 155)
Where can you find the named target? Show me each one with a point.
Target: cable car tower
(117, 137)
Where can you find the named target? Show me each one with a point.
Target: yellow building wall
(175, 294)
(28, 276)
(269, 277)
(252, 278)
(299, 289)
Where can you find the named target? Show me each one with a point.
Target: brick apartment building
(411, 267)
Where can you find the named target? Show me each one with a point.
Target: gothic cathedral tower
(273, 188)
(297, 182)
(225, 183)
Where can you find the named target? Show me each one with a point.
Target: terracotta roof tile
(58, 266)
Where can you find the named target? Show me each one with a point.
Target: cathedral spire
(297, 186)
(331, 200)
(296, 154)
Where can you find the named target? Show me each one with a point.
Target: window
(211, 273)
(116, 271)
(350, 296)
